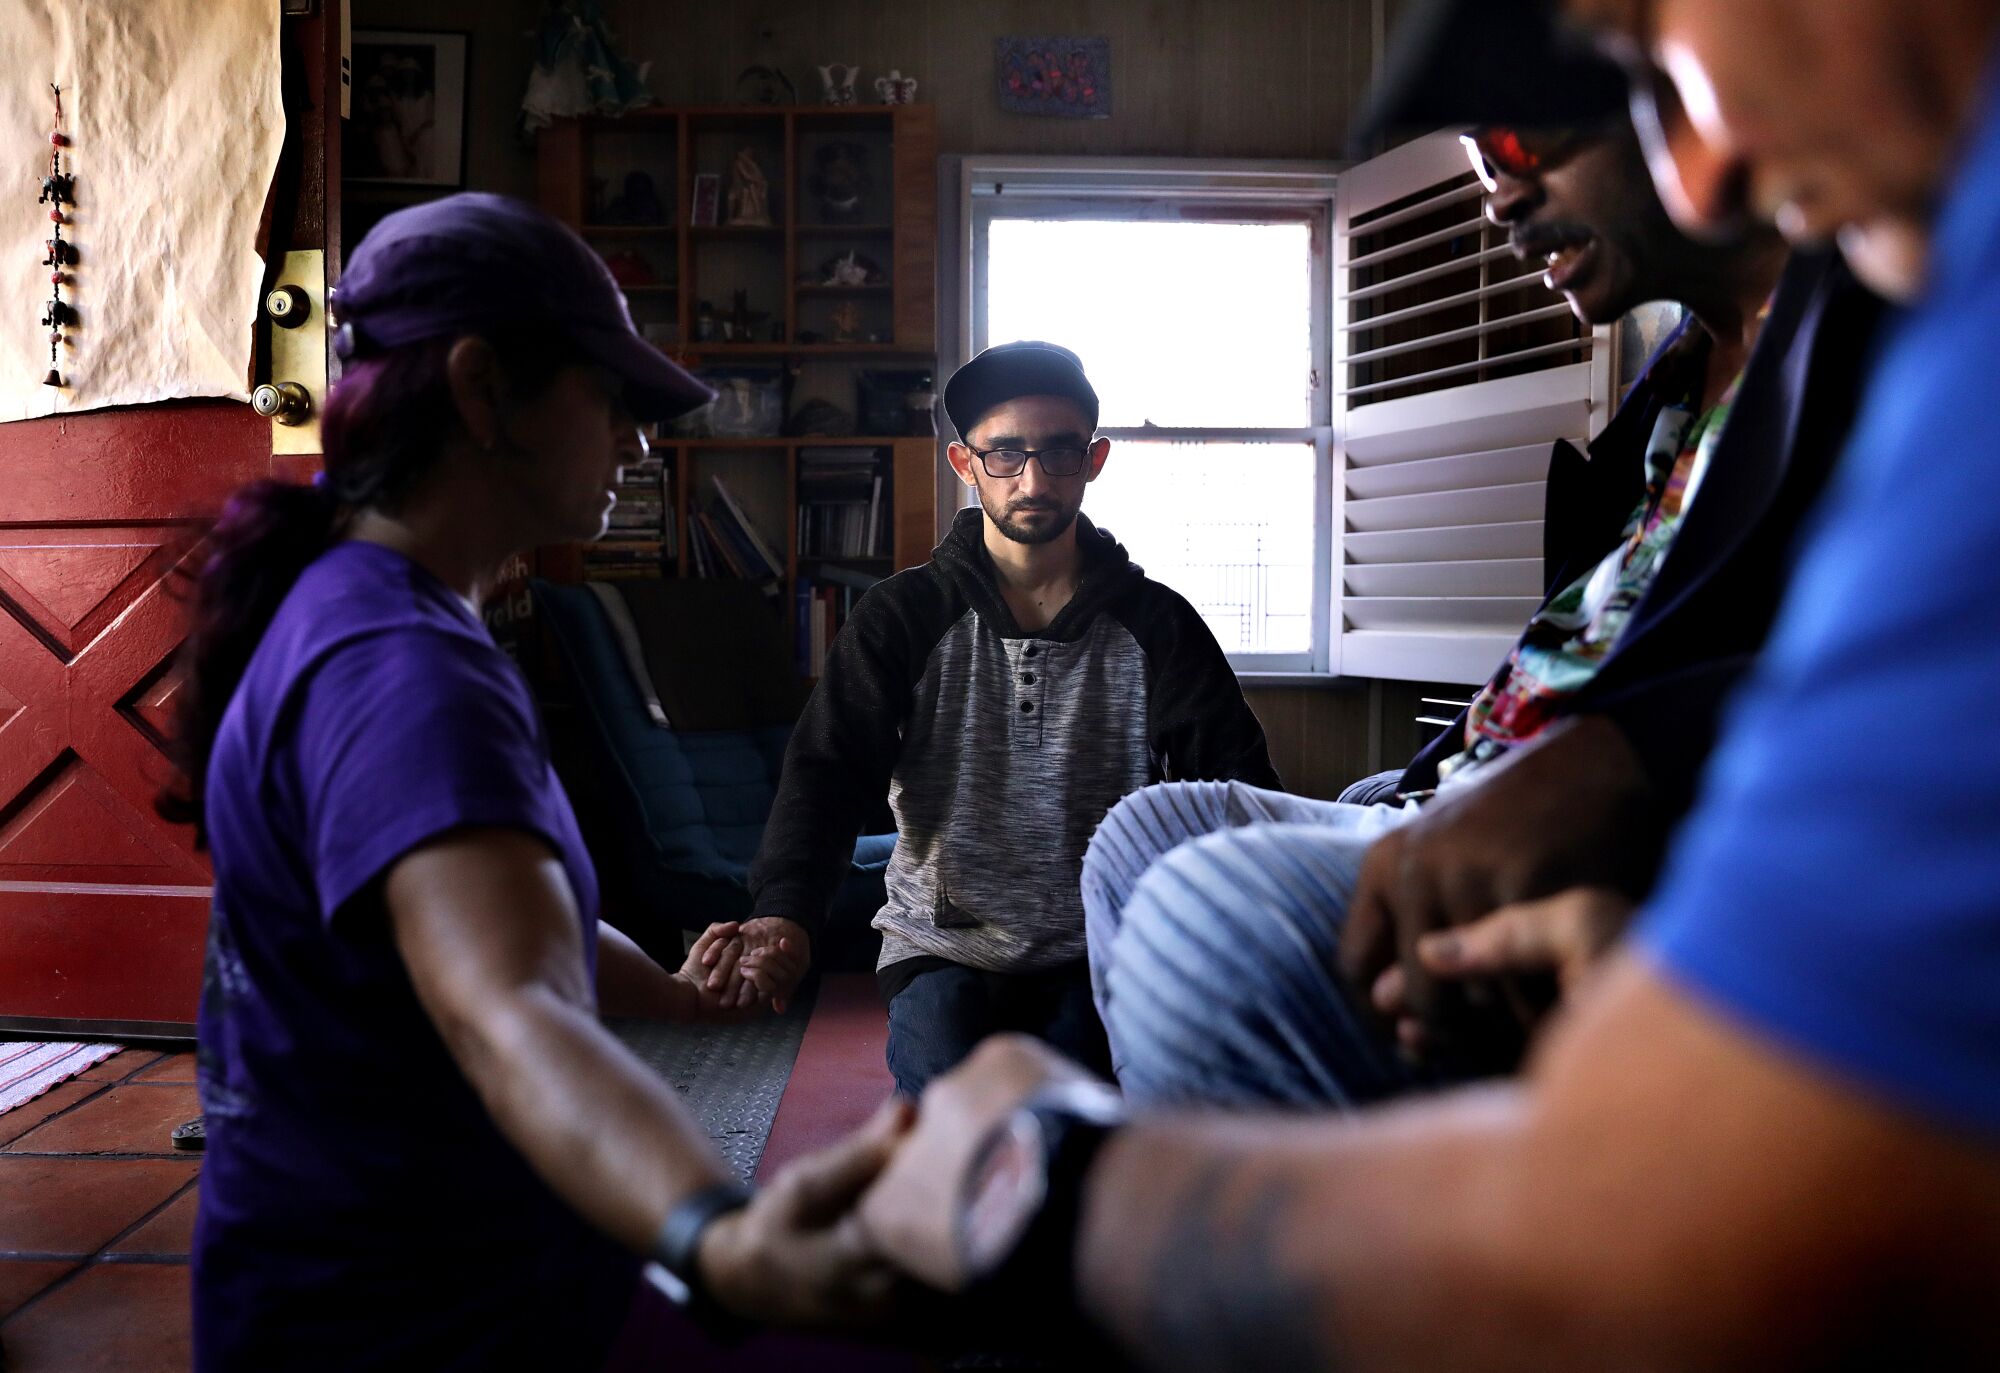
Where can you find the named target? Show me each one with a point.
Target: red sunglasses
(1497, 150)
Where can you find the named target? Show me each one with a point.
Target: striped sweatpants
(1213, 913)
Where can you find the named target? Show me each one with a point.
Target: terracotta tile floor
(96, 1216)
(97, 1208)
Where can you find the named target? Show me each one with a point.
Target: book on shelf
(748, 530)
(721, 554)
(820, 612)
(638, 558)
(638, 540)
(719, 549)
(650, 518)
(843, 510)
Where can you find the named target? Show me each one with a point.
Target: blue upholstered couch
(674, 816)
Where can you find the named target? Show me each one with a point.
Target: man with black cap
(1003, 696)
(1766, 1135)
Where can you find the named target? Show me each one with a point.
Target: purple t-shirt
(358, 1207)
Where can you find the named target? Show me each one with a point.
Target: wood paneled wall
(1319, 736)
(1190, 78)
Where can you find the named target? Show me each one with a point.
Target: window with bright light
(1197, 299)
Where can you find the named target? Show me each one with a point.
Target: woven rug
(29, 1069)
(729, 1076)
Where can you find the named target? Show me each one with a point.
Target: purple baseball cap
(475, 260)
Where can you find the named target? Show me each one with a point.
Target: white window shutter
(1455, 371)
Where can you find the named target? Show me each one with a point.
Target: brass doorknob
(287, 402)
(288, 306)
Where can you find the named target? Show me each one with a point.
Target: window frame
(1165, 189)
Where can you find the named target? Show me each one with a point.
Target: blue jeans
(943, 1013)
(1213, 912)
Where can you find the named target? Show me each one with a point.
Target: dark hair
(383, 428)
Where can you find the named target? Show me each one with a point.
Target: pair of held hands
(737, 968)
(863, 1235)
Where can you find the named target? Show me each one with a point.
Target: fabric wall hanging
(171, 126)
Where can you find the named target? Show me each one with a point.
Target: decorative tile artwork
(1069, 78)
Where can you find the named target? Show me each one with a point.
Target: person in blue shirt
(1766, 1132)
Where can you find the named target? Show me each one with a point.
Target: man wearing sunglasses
(1003, 696)
(1665, 551)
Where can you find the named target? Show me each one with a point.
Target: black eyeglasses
(1065, 461)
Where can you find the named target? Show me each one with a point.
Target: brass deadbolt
(288, 306)
(287, 402)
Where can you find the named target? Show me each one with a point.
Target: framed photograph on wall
(407, 126)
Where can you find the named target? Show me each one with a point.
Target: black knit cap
(1007, 371)
(1488, 62)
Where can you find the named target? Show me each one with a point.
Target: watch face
(1005, 1189)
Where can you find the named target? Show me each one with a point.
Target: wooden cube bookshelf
(589, 173)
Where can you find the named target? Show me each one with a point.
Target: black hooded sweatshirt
(999, 750)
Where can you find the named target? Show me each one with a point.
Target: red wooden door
(103, 905)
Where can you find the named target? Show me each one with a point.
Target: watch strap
(677, 1249)
(1075, 1119)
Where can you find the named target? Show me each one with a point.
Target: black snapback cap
(1005, 371)
(1488, 62)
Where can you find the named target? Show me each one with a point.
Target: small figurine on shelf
(741, 325)
(704, 323)
(749, 192)
(838, 83)
(851, 269)
(846, 320)
(896, 88)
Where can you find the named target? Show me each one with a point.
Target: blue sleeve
(1838, 886)
(404, 736)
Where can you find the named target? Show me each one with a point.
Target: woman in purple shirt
(424, 1150)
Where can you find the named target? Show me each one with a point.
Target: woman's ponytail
(269, 533)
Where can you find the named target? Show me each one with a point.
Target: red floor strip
(840, 1076)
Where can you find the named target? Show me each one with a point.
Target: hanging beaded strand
(58, 190)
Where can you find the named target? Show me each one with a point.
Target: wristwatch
(1018, 1214)
(676, 1266)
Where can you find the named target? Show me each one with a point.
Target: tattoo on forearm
(1221, 1296)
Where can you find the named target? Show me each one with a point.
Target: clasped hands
(1467, 922)
(863, 1235)
(737, 967)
